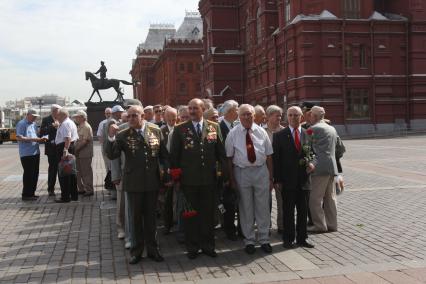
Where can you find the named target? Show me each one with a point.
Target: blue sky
(47, 45)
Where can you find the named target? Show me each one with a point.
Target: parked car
(7, 134)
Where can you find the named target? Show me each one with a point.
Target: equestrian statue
(103, 83)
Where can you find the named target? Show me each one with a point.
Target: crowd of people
(196, 168)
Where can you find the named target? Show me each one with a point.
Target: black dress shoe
(192, 255)
(35, 196)
(52, 193)
(232, 237)
(88, 194)
(211, 253)
(250, 249)
(306, 244)
(135, 259)
(81, 192)
(156, 256)
(166, 231)
(62, 201)
(288, 245)
(266, 248)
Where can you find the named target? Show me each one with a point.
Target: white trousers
(254, 203)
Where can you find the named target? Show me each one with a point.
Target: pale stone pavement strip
(381, 238)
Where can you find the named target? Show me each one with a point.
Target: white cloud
(46, 46)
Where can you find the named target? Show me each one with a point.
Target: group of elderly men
(234, 165)
(61, 137)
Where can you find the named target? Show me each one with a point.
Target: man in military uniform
(196, 147)
(144, 149)
(306, 109)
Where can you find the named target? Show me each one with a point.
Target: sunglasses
(158, 111)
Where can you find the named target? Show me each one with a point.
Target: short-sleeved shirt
(27, 129)
(66, 129)
(85, 132)
(101, 128)
(236, 146)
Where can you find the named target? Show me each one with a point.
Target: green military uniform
(144, 150)
(197, 157)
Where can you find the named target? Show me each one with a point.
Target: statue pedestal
(96, 113)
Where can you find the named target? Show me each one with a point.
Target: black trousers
(68, 183)
(229, 202)
(143, 222)
(199, 230)
(295, 199)
(52, 172)
(30, 164)
(168, 207)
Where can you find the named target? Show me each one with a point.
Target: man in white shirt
(100, 134)
(249, 151)
(66, 136)
(170, 116)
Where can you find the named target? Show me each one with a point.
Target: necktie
(251, 155)
(140, 132)
(232, 125)
(198, 130)
(297, 140)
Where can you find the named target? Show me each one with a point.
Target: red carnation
(309, 131)
(175, 174)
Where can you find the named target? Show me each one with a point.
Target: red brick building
(363, 60)
(168, 63)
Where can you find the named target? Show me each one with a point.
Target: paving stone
(382, 216)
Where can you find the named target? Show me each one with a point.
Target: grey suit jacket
(324, 145)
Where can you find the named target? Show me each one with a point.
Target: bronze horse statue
(103, 84)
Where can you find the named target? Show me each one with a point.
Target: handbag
(67, 166)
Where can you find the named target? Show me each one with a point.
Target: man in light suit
(322, 200)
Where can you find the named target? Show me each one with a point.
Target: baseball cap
(117, 108)
(33, 112)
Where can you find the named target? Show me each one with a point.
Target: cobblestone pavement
(381, 237)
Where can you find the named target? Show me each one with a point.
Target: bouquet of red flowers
(67, 166)
(188, 211)
(175, 174)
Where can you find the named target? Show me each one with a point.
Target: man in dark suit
(230, 116)
(144, 149)
(196, 147)
(49, 126)
(292, 167)
(170, 116)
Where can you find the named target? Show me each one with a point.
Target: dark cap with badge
(306, 106)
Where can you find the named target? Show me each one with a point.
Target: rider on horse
(102, 71)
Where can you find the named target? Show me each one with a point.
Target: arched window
(258, 26)
(351, 9)
(348, 56)
(248, 39)
(362, 56)
(182, 87)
